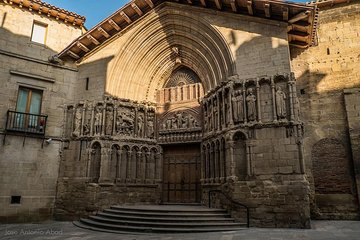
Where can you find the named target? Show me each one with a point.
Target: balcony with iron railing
(20, 122)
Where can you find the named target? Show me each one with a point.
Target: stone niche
(252, 150)
(110, 156)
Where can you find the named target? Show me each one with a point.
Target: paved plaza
(322, 230)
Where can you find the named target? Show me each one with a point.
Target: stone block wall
(280, 200)
(78, 198)
(29, 171)
(16, 29)
(323, 72)
(29, 166)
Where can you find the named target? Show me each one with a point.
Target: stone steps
(161, 219)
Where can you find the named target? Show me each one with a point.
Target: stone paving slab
(321, 230)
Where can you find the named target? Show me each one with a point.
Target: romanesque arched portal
(179, 133)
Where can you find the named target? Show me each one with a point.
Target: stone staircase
(161, 219)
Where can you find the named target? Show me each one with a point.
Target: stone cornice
(299, 17)
(49, 10)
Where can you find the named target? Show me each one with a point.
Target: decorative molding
(33, 76)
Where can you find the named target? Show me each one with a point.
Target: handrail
(232, 201)
(26, 122)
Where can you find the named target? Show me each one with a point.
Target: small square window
(38, 34)
(15, 199)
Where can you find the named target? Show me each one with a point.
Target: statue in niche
(237, 105)
(150, 129)
(210, 124)
(298, 108)
(77, 123)
(192, 122)
(221, 112)
(109, 121)
(127, 125)
(205, 120)
(174, 123)
(86, 127)
(119, 124)
(251, 105)
(280, 99)
(179, 119)
(97, 122)
(215, 113)
(140, 126)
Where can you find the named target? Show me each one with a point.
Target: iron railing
(26, 122)
(234, 202)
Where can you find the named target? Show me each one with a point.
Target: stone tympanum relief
(179, 120)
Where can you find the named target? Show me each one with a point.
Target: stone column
(103, 120)
(301, 156)
(207, 165)
(119, 166)
(248, 148)
(273, 100)
(223, 124)
(231, 119)
(258, 100)
(104, 165)
(296, 103)
(159, 166)
(244, 103)
(291, 100)
(218, 111)
(202, 164)
(212, 164)
(232, 166)
(138, 166)
(128, 166)
(82, 120)
(92, 121)
(114, 122)
(90, 153)
(217, 163)
(145, 126)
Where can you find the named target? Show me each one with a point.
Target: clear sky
(95, 10)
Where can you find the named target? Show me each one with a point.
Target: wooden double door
(181, 180)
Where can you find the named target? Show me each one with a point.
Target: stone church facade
(165, 101)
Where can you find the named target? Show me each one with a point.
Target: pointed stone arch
(147, 58)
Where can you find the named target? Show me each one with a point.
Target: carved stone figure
(150, 129)
(205, 120)
(179, 119)
(174, 122)
(109, 121)
(210, 124)
(251, 105)
(97, 122)
(119, 123)
(237, 105)
(192, 122)
(140, 126)
(215, 113)
(77, 123)
(280, 97)
(127, 124)
(86, 127)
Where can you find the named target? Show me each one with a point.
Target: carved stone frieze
(112, 118)
(259, 102)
